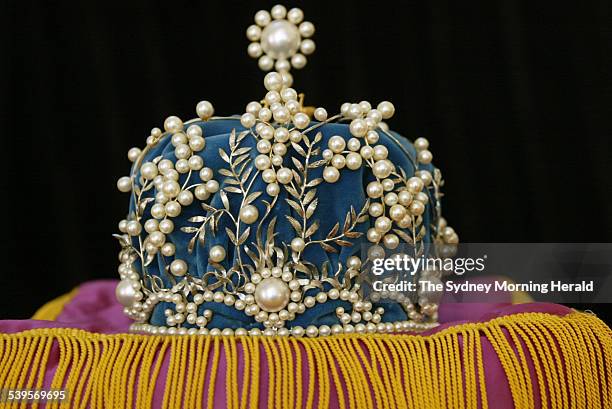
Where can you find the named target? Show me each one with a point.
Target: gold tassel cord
(551, 361)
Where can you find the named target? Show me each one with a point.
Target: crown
(255, 224)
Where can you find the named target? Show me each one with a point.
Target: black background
(510, 95)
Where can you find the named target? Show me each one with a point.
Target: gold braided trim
(52, 309)
(570, 359)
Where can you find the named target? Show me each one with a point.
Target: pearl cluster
(281, 108)
(280, 39)
(296, 331)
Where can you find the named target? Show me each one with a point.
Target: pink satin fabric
(94, 309)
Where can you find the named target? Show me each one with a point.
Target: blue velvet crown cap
(256, 224)
(335, 201)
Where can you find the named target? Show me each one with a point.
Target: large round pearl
(205, 110)
(217, 254)
(272, 294)
(126, 293)
(124, 184)
(280, 39)
(249, 214)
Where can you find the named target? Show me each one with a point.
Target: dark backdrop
(508, 93)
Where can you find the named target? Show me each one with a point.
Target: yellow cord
(551, 360)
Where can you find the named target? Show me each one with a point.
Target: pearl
(133, 228)
(168, 249)
(382, 169)
(216, 254)
(287, 79)
(307, 47)
(422, 197)
(373, 235)
(171, 188)
(307, 29)
(262, 18)
(421, 144)
(383, 224)
(254, 50)
(298, 61)
(158, 211)
(124, 184)
(279, 150)
(331, 174)
(338, 161)
(282, 65)
(165, 165)
(336, 144)
(404, 197)
(273, 97)
(295, 16)
(414, 185)
(295, 136)
(266, 131)
(391, 241)
(182, 151)
(272, 294)
(380, 152)
(166, 226)
(212, 186)
(197, 143)
(353, 144)
(297, 244)
(417, 208)
(425, 157)
(366, 152)
(280, 39)
(358, 127)
(201, 193)
(123, 226)
(178, 268)
(374, 189)
(372, 137)
(173, 124)
(196, 162)
(320, 114)
(253, 107)
(269, 176)
(386, 109)
(312, 331)
(375, 115)
(288, 94)
(301, 120)
(391, 198)
(397, 212)
(205, 110)
(284, 175)
(125, 292)
(253, 32)
(273, 189)
(249, 214)
(206, 174)
(148, 171)
(281, 115)
(425, 177)
(265, 62)
(133, 154)
(264, 146)
(173, 208)
(278, 12)
(248, 120)
(157, 239)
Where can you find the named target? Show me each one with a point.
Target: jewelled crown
(255, 224)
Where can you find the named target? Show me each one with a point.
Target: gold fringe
(570, 359)
(52, 309)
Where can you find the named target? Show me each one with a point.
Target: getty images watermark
(476, 272)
